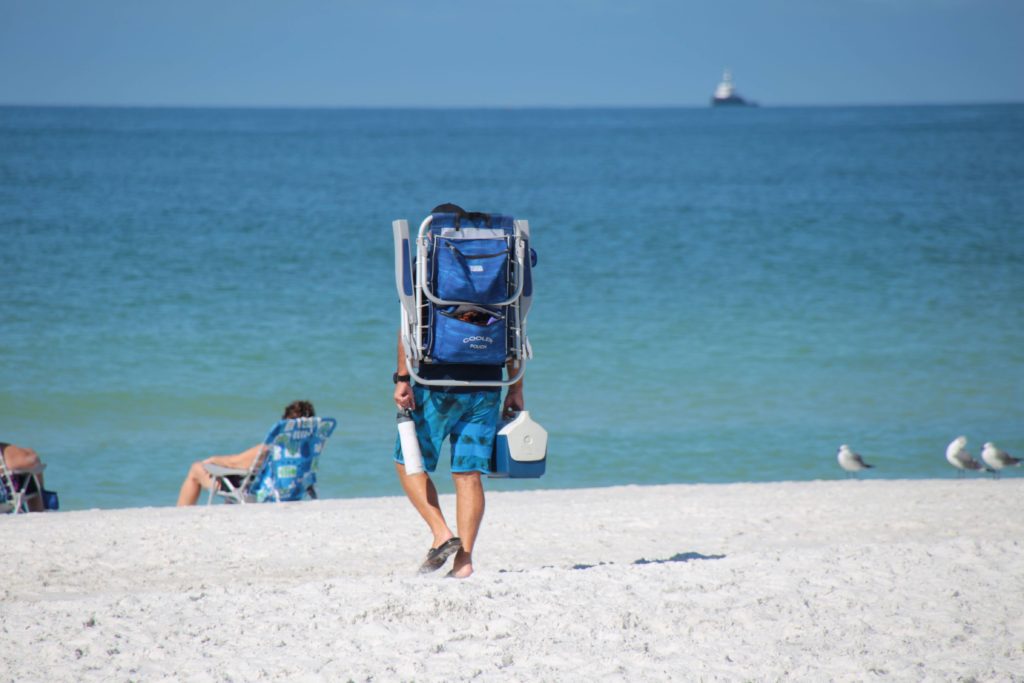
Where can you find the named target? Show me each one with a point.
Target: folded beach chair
(286, 470)
(18, 487)
(465, 285)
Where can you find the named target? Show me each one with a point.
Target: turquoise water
(722, 295)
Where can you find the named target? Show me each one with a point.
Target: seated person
(198, 478)
(19, 458)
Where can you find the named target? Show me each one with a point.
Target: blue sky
(440, 53)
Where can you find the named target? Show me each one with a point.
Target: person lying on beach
(198, 479)
(20, 458)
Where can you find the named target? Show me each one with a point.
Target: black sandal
(436, 557)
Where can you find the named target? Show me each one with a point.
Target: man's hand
(513, 400)
(404, 397)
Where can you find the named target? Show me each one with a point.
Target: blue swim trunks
(469, 419)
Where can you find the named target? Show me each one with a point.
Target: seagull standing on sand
(959, 457)
(850, 461)
(996, 458)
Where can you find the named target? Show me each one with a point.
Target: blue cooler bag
(483, 341)
(520, 449)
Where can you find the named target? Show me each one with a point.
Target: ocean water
(721, 295)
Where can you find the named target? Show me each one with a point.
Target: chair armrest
(35, 469)
(221, 471)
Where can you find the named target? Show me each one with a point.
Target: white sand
(846, 580)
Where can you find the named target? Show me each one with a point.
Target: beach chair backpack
(470, 274)
(466, 288)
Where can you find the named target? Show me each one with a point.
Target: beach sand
(841, 580)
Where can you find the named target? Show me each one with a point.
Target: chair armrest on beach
(227, 482)
(219, 471)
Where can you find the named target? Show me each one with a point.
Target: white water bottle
(410, 444)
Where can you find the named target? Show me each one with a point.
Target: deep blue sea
(721, 295)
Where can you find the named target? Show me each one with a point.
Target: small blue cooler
(520, 449)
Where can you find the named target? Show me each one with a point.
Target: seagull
(850, 461)
(959, 457)
(996, 458)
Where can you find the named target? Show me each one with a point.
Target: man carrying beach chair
(465, 288)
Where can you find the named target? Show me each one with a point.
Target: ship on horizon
(726, 95)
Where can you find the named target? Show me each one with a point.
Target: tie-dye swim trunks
(468, 418)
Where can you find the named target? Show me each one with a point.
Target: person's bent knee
(197, 471)
(18, 458)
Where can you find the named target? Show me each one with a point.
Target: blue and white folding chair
(286, 468)
(465, 284)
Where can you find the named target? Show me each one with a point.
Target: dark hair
(299, 409)
(448, 208)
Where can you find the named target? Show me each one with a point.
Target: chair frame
(19, 496)
(416, 297)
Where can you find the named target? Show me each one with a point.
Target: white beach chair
(18, 487)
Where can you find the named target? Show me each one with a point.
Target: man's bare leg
(196, 480)
(469, 512)
(423, 495)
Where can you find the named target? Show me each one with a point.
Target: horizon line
(497, 107)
